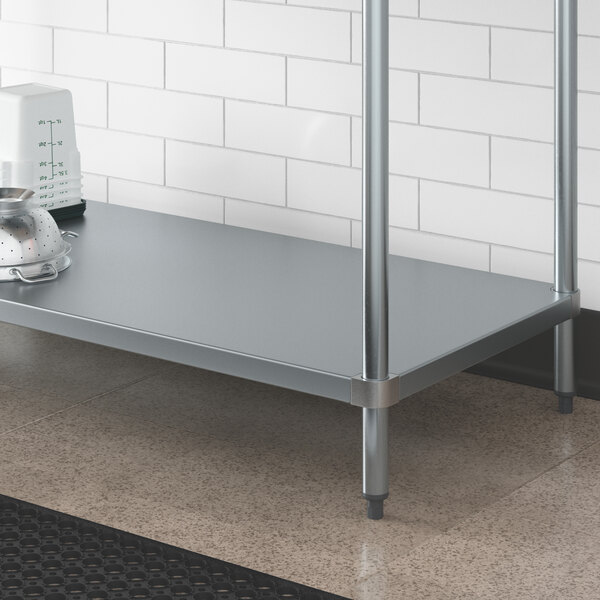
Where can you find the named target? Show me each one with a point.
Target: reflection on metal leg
(564, 366)
(375, 460)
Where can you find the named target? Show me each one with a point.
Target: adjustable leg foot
(565, 404)
(375, 460)
(564, 366)
(375, 508)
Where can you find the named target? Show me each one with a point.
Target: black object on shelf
(68, 212)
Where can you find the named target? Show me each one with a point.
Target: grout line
(224, 104)
(285, 81)
(286, 182)
(418, 98)
(77, 404)
(53, 52)
(351, 38)
(418, 204)
(352, 140)
(490, 53)
(490, 162)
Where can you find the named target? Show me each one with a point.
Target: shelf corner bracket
(375, 393)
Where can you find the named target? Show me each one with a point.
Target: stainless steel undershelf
(271, 308)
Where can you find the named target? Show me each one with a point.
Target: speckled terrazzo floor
(493, 495)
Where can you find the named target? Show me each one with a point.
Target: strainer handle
(52, 275)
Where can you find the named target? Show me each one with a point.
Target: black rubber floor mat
(49, 555)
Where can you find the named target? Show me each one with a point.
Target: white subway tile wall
(248, 112)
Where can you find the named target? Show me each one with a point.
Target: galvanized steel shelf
(272, 308)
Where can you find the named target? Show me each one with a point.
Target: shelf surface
(271, 308)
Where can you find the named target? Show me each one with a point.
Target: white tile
(166, 114)
(489, 107)
(523, 56)
(337, 87)
(108, 57)
(490, 216)
(528, 168)
(523, 167)
(289, 132)
(25, 46)
(166, 200)
(356, 42)
(291, 30)
(286, 221)
(229, 73)
(430, 153)
(404, 97)
(408, 8)
(432, 46)
(589, 58)
(438, 154)
(528, 57)
(404, 202)
(117, 154)
(224, 172)
(589, 176)
(354, 5)
(589, 17)
(589, 284)
(338, 191)
(178, 20)
(441, 249)
(522, 263)
(526, 14)
(76, 14)
(95, 187)
(89, 97)
(589, 122)
(589, 232)
(325, 189)
(322, 85)
(431, 247)
(439, 47)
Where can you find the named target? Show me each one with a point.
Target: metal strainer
(32, 247)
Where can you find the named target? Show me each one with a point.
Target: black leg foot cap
(375, 509)
(565, 405)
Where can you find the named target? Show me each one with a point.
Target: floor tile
(41, 362)
(542, 541)
(19, 407)
(455, 447)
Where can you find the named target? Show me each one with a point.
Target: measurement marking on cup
(55, 168)
(52, 147)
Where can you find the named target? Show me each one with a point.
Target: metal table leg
(565, 172)
(375, 245)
